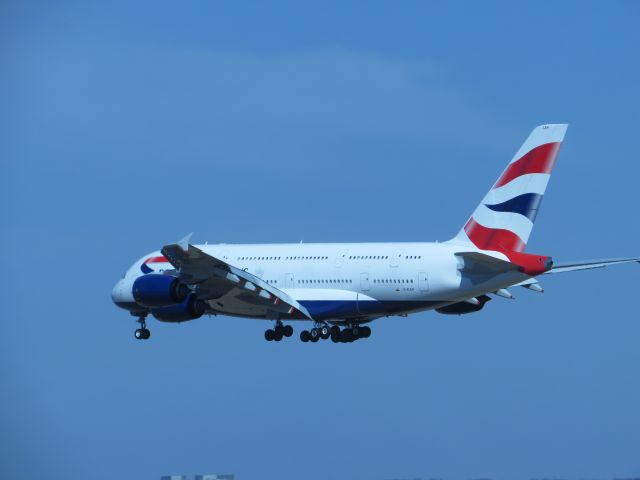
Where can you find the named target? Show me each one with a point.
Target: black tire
(336, 337)
(277, 335)
(269, 335)
(139, 334)
(304, 336)
(314, 339)
(315, 333)
(356, 333)
(335, 330)
(365, 332)
(287, 330)
(146, 333)
(325, 333)
(346, 336)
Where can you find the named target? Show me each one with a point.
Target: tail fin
(504, 219)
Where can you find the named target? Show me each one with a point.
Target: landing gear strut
(142, 333)
(278, 332)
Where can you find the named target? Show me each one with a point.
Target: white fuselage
(339, 281)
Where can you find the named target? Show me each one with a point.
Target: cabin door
(423, 282)
(288, 280)
(364, 282)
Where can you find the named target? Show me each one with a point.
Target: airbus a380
(341, 287)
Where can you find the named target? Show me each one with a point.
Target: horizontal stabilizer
(590, 264)
(481, 264)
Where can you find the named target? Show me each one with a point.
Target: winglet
(184, 243)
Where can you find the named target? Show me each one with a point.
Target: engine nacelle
(190, 309)
(156, 290)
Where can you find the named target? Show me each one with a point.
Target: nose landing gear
(142, 333)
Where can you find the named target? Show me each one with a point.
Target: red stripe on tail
(493, 238)
(539, 160)
(156, 260)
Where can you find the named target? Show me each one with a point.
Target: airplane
(341, 287)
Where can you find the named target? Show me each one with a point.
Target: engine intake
(156, 290)
(190, 309)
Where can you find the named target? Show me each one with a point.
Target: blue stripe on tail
(526, 204)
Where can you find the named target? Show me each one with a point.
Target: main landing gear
(346, 335)
(142, 333)
(278, 332)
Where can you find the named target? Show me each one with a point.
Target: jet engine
(190, 309)
(156, 290)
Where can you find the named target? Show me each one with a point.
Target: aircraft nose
(121, 295)
(116, 292)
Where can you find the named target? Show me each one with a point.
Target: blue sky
(125, 126)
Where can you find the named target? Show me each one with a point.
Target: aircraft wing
(588, 265)
(231, 288)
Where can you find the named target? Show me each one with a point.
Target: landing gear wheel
(365, 332)
(346, 335)
(287, 330)
(314, 339)
(356, 333)
(305, 336)
(269, 335)
(277, 334)
(315, 334)
(335, 331)
(142, 333)
(325, 333)
(336, 335)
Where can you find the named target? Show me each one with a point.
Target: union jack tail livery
(504, 219)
